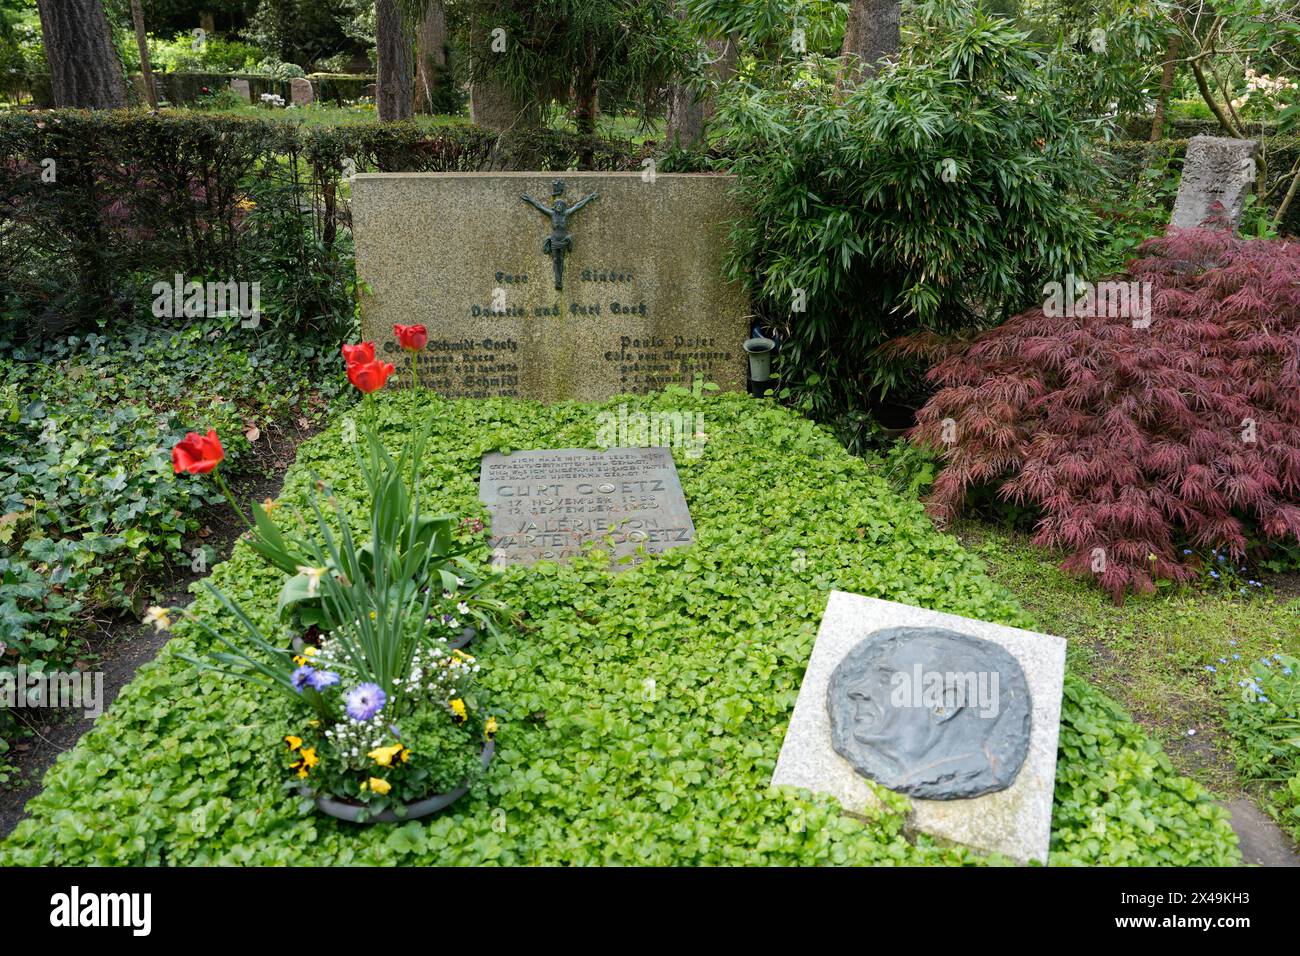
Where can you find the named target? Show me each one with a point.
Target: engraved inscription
(548, 504)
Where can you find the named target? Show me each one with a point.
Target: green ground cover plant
(88, 508)
(641, 713)
(1262, 696)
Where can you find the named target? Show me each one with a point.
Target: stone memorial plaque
(241, 88)
(547, 503)
(551, 286)
(959, 715)
(1217, 174)
(301, 92)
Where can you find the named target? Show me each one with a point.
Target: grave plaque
(960, 716)
(241, 89)
(1217, 173)
(552, 286)
(547, 503)
(301, 92)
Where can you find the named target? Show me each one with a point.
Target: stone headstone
(1217, 174)
(959, 715)
(547, 503)
(139, 89)
(621, 289)
(300, 91)
(241, 88)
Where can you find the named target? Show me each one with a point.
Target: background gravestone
(1219, 170)
(1015, 820)
(547, 503)
(241, 88)
(643, 304)
(300, 91)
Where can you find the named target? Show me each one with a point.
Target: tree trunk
(142, 41)
(430, 56)
(1166, 87)
(395, 80)
(870, 33)
(84, 67)
(585, 102)
(687, 113)
(491, 105)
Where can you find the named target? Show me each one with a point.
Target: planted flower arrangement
(391, 727)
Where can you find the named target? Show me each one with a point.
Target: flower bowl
(356, 813)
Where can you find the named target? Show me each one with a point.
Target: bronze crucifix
(559, 241)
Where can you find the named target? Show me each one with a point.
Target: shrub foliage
(1138, 445)
(938, 196)
(134, 198)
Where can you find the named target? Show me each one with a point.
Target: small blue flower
(1236, 657)
(1263, 699)
(1286, 671)
(1233, 642)
(365, 701)
(1221, 557)
(1278, 658)
(1223, 660)
(1215, 575)
(1211, 668)
(302, 677)
(322, 679)
(1187, 550)
(1266, 662)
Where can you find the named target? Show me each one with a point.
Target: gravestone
(960, 716)
(241, 88)
(551, 286)
(300, 91)
(547, 503)
(1217, 174)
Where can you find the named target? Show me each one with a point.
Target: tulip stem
(225, 489)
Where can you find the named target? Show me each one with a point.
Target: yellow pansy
(490, 728)
(309, 760)
(380, 786)
(384, 755)
(458, 712)
(293, 742)
(159, 617)
(305, 657)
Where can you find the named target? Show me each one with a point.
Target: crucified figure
(559, 241)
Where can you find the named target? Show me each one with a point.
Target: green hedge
(179, 88)
(591, 768)
(139, 197)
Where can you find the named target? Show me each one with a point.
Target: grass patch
(1153, 654)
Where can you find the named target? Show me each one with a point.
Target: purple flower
(302, 677)
(322, 679)
(365, 701)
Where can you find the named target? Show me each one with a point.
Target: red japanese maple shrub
(1134, 441)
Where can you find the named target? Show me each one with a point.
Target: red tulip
(359, 354)
(369, 376)
(412, 338)
(197, 454)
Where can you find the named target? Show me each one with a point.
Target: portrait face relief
(930, 712)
